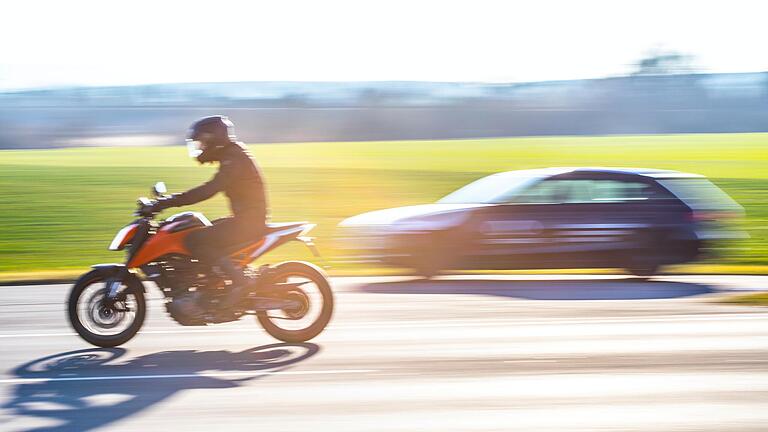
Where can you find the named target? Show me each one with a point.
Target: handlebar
(144, 208)
(145, 205)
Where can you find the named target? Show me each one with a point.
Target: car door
(515, 232)
(602, 215)
(570, 220)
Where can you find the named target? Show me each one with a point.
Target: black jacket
(240, 180)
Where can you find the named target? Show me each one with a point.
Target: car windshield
(493, 189)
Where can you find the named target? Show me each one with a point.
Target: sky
(63, 43)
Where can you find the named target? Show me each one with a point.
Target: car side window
(544, 192)
(561, 191)
(620, 191)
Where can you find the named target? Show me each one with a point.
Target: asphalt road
(458, 354)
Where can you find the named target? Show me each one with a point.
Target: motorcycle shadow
(87, 389)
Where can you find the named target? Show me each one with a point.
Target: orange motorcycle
(292, 300)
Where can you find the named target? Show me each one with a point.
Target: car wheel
(432, 255)
(427, 270)
(647, 270)
(645, 260)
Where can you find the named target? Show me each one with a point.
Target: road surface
(462, 353)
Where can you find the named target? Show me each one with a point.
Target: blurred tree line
(664, 94)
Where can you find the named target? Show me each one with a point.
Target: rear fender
(277, 238)
(130, 278)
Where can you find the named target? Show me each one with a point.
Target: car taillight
(704, 216)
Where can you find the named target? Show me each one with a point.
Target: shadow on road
(75, 394)
(580, 289)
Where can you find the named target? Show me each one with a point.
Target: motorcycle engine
(188, 286)
(185, 309)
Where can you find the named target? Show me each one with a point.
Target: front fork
(113, 287)
(115, 275)
(115, 280)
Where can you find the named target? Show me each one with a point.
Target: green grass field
(60, 208)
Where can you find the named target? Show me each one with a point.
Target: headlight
(438, 222)
(123, 237)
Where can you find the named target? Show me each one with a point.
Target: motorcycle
(292, 300)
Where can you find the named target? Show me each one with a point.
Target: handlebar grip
(146, 207)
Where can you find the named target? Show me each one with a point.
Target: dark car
(636, 219)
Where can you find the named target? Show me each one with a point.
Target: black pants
(223, 238)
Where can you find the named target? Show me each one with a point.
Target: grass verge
(754, 299)
(60, 208)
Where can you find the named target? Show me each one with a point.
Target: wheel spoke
(306, 285)
(101, 318)
(303, 305)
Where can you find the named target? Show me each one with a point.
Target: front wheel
(101, 323)
(435, 253)
(307, 289)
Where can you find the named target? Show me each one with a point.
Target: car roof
(645, 172)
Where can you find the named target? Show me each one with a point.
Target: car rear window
(700, 194)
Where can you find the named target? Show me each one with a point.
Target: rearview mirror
(159, 189)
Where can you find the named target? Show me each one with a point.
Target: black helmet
(220, 133)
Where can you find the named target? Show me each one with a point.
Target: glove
(147, 208)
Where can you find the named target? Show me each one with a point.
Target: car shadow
(91, 388)
(550, 289)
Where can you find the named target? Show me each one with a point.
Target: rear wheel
(307, 288)
(645, 260)
(99, 322)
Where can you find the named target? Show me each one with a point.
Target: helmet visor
(194, 148)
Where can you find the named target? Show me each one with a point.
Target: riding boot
(240, 283)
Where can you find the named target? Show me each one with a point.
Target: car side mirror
(159, 189)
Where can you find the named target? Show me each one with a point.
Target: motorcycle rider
(210, 140)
